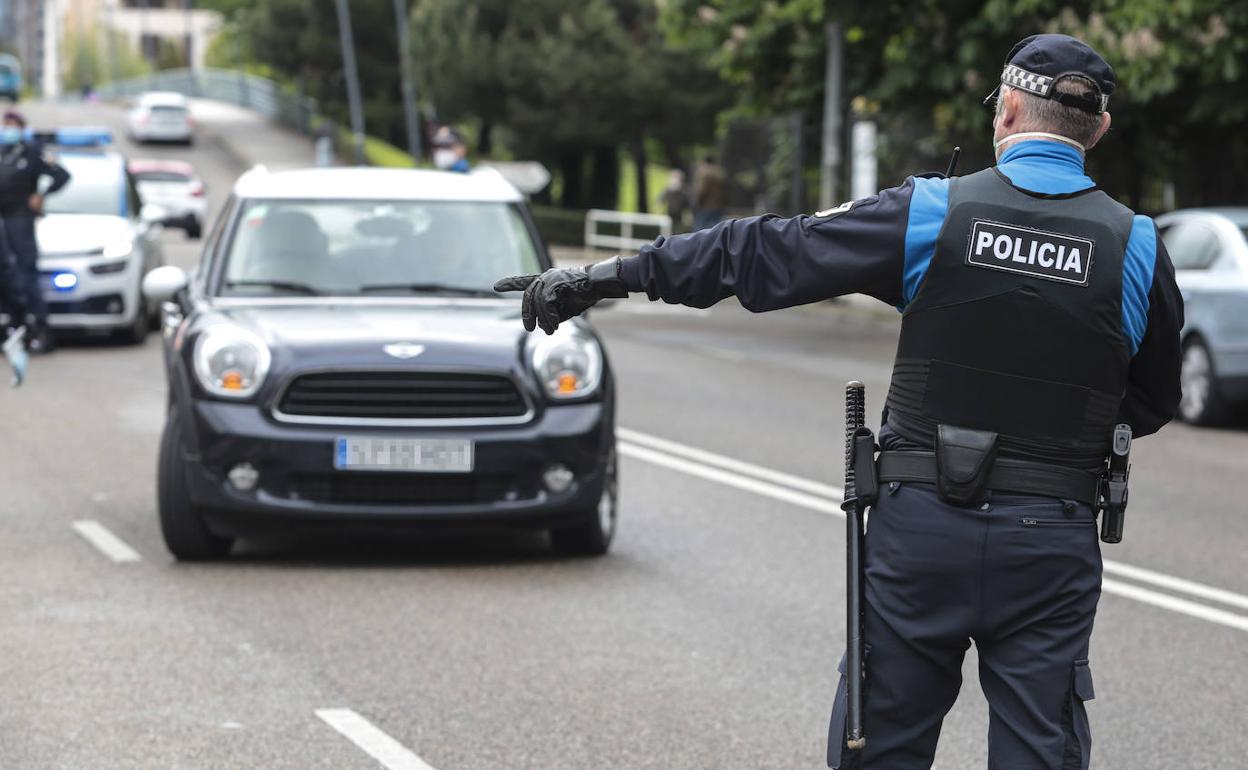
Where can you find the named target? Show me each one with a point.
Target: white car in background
(161, 116)
(95, 242)
(173, 186)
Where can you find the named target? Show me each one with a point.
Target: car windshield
(96, 186)
(376, 248)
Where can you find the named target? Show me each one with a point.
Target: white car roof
(163, 97)
(357, 183)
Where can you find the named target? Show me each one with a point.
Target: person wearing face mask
(1038, 314)
(22, 165)
(449, 151)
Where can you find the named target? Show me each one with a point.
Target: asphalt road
(708, 638)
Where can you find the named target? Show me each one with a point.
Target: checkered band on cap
(1017, 77)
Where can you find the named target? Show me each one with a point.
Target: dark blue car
(339, 359)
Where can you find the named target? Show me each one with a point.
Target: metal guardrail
(660, 223)
(269, 98)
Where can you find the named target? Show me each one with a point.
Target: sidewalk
(251, 138)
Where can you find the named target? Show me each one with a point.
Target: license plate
(403, 454)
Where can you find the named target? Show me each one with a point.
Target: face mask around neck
(1039, 135)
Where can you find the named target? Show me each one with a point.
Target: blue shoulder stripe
(928, 206)
(1137, 280)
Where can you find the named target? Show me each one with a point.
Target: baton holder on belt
(861, 490)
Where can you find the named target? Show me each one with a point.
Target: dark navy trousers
(19, 228)
(1019, 576)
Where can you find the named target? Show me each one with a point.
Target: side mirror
(163, 283)
(152, 214)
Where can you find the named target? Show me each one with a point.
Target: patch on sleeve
(1038, 253)
(841, 209)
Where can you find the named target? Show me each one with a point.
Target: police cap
(1037, 62)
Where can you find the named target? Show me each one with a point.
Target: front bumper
(298, 484)
(96, 302)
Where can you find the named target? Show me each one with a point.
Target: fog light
(557, 478)
(243, 477)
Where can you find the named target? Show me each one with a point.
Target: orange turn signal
(232, 380)
(568, 384)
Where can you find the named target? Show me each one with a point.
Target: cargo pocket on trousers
(839, 757)
(1078, 734)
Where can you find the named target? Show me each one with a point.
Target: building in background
(150, 24)
(28, 29)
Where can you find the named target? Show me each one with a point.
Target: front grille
(403, 396)
(104, 304)
(360, 488)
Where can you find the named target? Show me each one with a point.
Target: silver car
(1209, 248)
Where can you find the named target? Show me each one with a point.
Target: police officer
(1037, 312)
(22, 164)
(450, 153)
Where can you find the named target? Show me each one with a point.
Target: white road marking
(1175, 604)
(1176, 584)
(727, 463)
(106, 542)
(826, 498)
(767, 489)
(363, 733)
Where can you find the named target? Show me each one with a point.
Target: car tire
(136, 332)
(592, 536)
(194, 230)
(186, 534)
(1201, 402)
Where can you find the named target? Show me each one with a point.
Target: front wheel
(593, 534)
(186, 534)
(1201, 404)
(136, 331)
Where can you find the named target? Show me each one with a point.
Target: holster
(964, 458)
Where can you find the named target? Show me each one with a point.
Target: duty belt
(1007, 475)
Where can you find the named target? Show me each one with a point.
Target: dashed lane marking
(105, 541)
(825, 498)
(363, 733)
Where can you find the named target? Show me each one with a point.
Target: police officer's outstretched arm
(767, 262)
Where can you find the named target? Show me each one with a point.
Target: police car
(95, 242)
(340, 358)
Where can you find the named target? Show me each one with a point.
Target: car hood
(458, 335)
(61, 234)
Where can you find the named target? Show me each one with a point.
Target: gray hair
(1039, 114)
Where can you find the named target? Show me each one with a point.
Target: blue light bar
(74, 136)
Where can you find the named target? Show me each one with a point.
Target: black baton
(855, 412)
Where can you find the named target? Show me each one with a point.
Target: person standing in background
(22, 164)
(675, 199)
(710, 194)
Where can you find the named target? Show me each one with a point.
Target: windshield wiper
(428, 288)
(298, 288)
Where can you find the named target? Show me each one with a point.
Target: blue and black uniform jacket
(882, 245)
(29, 163)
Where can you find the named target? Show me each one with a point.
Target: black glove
(560, 293)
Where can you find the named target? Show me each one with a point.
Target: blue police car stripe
(928, 206)
(1137, 279)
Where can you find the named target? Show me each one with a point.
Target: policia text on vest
(1054, 256)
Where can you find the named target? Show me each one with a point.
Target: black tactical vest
(1017, 327)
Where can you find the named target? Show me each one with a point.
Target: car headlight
(118, 249)
(568, 363)
(230, 361)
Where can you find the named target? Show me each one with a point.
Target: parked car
(96, 241)
(1209, 248)
(174, 186)
(161, 116)
(340, 358)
